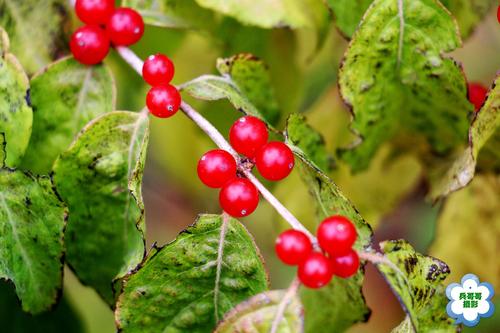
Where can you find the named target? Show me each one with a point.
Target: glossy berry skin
(125, 27)
(163, 101)
(94, 11)
(316, 271)
(239, 197)
(293, 247)
(477, 95)
(498, 14)
(158, 70)
(336, 235)
(216, 168)
(275, 161)
(247, 135)
(89, 44)
(346, 265)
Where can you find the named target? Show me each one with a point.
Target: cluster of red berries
(218, 169)
(477, 94)
(163, 99)
(336, 236)
(105, 25)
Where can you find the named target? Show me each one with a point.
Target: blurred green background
(391, 196)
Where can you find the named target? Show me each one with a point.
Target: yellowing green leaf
(348, 14)
(417, 281)
(400, 86)
(36, 29)
(32, 221)
(258, 313)
(482, 153)
(188, 285)
(172, 13)
(244, 82)
(99, 177)
(66, 96)
(16, 116)
(264, 13)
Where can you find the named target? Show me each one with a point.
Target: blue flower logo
(469, 301)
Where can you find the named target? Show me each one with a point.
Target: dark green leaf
(482, 152)
(258, 313)
(32, 221)
(400, 86)
(348, 14)
(16, 116)
(341, 303)
(251, 76)
(172, 13)
(13, 320)
(308, 143)
(99, 177)
(417, 282)
(36, 29)
(189, 284)
(66, 96)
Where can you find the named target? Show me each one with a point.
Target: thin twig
(280, 312)
(136, 63)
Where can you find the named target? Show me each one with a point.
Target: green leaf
(244, 82)
(264, 13)
(468, 13)
(348, 14)
(340, 304)
(305, 141)
(482, 152)
(172, 13)
(475, 207)
(251, 76)
(417, 282)
(400, 86)
(65, 96)
(36, 30)
(258, 313)
(189, 284)
(62, 319)
(32, 221)
(99, 177)
(16, 116)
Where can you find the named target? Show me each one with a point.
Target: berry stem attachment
(136, 63)
(280, 312)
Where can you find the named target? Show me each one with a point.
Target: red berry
(498, 14)
(247, 135)
(477, 94)
(346, 265)
(94, 11)
(275, 160)
(216, 168)
(293, 247)
(316, 271)
(336, 235)
(89, 44)
(163, 101)
(125, 27)
(239, 197)
(158, 70)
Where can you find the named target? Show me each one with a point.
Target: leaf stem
(136, 63)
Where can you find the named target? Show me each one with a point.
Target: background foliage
(299, 45)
